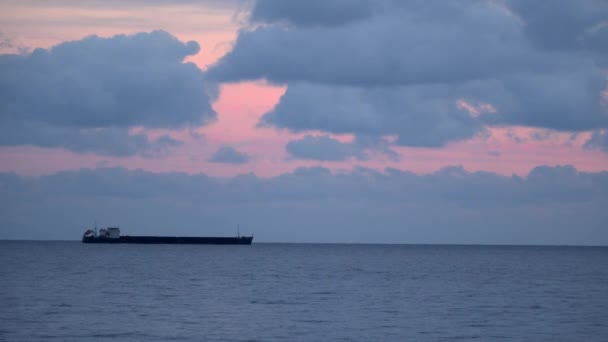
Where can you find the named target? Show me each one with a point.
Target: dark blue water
(67, 291)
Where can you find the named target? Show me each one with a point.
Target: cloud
(562, 24)
(494, 153)
(398, 46)
(323, 148)
(314, 204)
(229, 155)
(80, 94)
(407, 65)
(419, 116)
(544, 184)
(111, 141)
(598, 140)
(540, 135)
(310, 13)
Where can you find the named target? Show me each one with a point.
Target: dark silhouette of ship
(112, 235)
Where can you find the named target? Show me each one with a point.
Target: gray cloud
(598, 140)
(566, 100)
(562, 24)
(94, 89)
(314, 204)
(428, 115)
(311, 13)
(323, 148)
(406, 63)
(494, 153)
(544, 184)
(407, 45)
(541, 135)
(111, 141)
(420, 116)
(229, 155)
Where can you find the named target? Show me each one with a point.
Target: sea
(69, 291)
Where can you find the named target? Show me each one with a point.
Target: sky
(358, 121)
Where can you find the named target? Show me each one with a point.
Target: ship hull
(173, 240)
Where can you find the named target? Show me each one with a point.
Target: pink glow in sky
(239, 107)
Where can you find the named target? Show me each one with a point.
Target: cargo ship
(112, 235)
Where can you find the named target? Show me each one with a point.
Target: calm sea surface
(68, 291)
